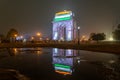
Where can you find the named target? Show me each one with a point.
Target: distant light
(40, 38)
(111, 39)
(62, 38)
(24, 40)
(38, 34)
(78, 27)
(47, 38)
(32, 38)
(78, 61)
(112, 61)
(21, 37)
(15, 35)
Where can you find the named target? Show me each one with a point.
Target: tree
(118, 26)
(12, 34)
(116, 33)
(2, 37)
(97, 36)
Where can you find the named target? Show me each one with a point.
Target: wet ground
(60, 64)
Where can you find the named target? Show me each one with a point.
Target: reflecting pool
(60, 64)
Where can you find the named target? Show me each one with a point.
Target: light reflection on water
(59, 64)
(64, 60)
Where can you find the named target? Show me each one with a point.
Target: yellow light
(32, 38)
(111, 39)
(83, 36)
(63, 12)
(15, 35)
(38, 34)
(15, 50)
(47, 38)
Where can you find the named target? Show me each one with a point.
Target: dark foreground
(11, 74)
(58, 64)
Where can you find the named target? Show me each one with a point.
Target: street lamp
(15, 35)
(38, 34)
(78, 35)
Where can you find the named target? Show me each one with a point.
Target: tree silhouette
(116, 33)
(12, 33)
(118, 26)
(97, 36)
(2, 37)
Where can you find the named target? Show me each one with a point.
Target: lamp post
(38, 34)
(78, 35)
(15, 35)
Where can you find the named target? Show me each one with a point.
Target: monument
(64, 26)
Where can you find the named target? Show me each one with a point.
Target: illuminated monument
(64, 26)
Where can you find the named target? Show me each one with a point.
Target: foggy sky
(30, 16)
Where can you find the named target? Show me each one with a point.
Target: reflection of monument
(64, 61)
(64, 26)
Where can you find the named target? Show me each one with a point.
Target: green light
(62, 19)
(61, 65)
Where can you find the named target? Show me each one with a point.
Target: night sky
(31, 16)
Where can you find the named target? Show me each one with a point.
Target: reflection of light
(15, 50)
(56, 50)
(69, 52)
(112, 61)
(62, 72)
(60, 65)
(63, 69)
(64, 65)
(38, 52)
